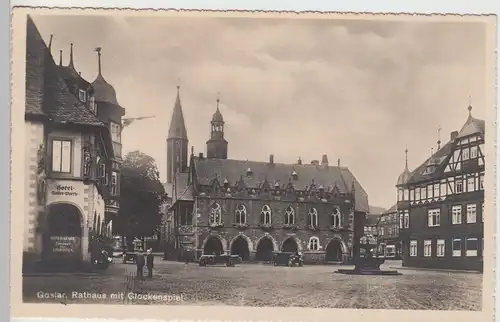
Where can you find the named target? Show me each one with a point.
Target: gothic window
(215, 214)
(313, 217)
(241, 214)
(336, 219)
(313, 243)
(289, 216)
(265, 215)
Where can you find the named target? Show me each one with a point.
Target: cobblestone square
(263, 285)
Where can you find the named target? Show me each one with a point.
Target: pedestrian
(140, 261)
(149, 262)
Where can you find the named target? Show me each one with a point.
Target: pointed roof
(46, 91)
(69, 73)
(177, 128)
(217, 117)
(471, 126)
(405, 175)
(103, 91)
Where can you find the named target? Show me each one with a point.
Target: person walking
(149, 262)
(140, 261)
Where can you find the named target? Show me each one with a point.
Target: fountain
(366, 264)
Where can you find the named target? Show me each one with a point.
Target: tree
(141, 196)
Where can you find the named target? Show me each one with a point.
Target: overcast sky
(356, 90)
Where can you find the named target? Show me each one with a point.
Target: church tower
(177, 142)
(217, 145)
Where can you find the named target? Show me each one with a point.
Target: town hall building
(253, 208)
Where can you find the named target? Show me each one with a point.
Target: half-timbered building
(253, 208)
(441, 203)
(69, 160)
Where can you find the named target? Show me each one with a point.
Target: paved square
(266, 285)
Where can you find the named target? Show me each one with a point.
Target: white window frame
(440, 248)
(472, 252)
(215, 214)
(413, 248)
(434, 217)
(289, 216)
(336, 218)
(473, 152)
(62, 155)
(406, 194)
(427, 248)
(456, 252)
(401, 220)
(93, 105)
(442, 189)
(436, 190)
(459, 186)
(481, 181)
(114, 183)
(266, 212)
(313, 217)
(472, 213)
(82, 95)
(417, 194)
(241, 212)
(406, 219)
(471, 184)
(313, 243)
(456, 215)
(115, 130)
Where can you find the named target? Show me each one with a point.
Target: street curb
(435, 270)
(60, 274)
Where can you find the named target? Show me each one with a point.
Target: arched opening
(265, 250)
(240, 248)
(289, 246)
(334, 251)
(213, 246)
(62, 237)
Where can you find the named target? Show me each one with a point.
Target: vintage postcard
(252, 166)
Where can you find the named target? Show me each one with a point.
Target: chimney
(271, 159)
(324, 160)
(315, 162)
(453, 135)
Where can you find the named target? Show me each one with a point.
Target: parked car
(102, 261)
(288, 259)
(227, 260)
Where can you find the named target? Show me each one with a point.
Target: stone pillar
(85, 243)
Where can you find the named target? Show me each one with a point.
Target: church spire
(177, 126)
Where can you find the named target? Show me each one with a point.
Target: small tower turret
(217, 145)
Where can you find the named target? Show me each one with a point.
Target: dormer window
(249, 172)
(295, 175)
(82, 95)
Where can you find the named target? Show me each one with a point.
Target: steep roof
(440, 158)
(371, 220)
(181, 188)
(217, 117)
(46, 90)
(327, 176)
(391, 210)
(471, 126)
(177, 128)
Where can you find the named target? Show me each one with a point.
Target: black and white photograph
(256, 160)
